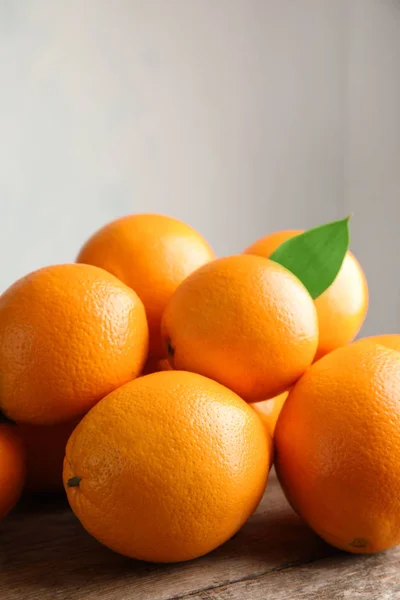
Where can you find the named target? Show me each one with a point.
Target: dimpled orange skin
(69, 335)
(342, 308)
(152, 254)
(45, 451)
(244, 321)
(12, 468)
(269, 411)
(171, 466)
(337, 445)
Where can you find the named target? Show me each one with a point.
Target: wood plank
(46, 554)
(374, 577)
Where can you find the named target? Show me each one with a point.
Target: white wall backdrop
(238, 116)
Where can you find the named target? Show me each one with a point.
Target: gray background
(238, 116)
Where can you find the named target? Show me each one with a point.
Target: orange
(342, 308)
(338, 447)
(12, 468)
(167, 467)
(69, 335)
(154, 365)
(45, 451)
(244, 321)
(269, 411)
(390, 340)
(152, 254)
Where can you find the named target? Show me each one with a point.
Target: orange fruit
(69, 335)
(342, 308)
(152, 254)
(244, 321)
(338, 447)
(45, 451)
(167, 467)
(390, 340)
(12, 468)
(269, 411)
(154, 365)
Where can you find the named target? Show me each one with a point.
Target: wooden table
(45, 554)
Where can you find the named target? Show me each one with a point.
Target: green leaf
(316, 255)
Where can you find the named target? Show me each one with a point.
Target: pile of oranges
(158, 384)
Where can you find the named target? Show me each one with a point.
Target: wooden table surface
(45, 554)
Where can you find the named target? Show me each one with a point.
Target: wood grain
(45, 554)
(342, 577)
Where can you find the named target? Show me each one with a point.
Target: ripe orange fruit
(167, 467)
(12, 468)
(338, 447)
(390, 340)
(152, 254)
(342, 308)
(269, 411)
(45, 451)
(244, 321)
(69, 335)
(154, 365)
